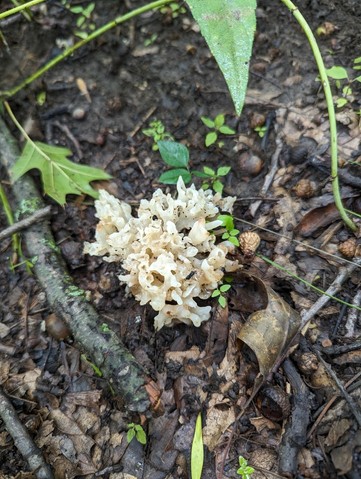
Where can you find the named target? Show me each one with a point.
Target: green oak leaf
(60, 176)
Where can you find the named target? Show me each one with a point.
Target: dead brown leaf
(270, 328)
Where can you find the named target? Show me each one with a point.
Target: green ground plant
(157, 132)
(244, 469)
(176, 155)
(217, 127)
(261, 130)
(343, 83)
(136, 431)
(84, 23)
(174, 9)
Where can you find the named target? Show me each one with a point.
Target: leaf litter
(205, 369)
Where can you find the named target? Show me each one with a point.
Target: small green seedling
(173, 10)
(83, 20)
(217, 126)
(231, 233)
(340, 75)
(261, 130)
(157, 131)
(136, 431)
(104, 328)
(211, 178)
(149, 41)
(244, 469)
(176, 156)
(219, 294)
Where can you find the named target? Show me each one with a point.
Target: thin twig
(353, 316)
(22, 439)
(328, 406)
(335, 287)
(25, 223)
(349, 399)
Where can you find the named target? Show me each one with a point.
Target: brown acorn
(56, 327)
(273, 402)
(307, 363)
(248, 243)
(249, 164)
(349, 248)
(305, 188)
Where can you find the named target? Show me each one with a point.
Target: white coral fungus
(168, 251)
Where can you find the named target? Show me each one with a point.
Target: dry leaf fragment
(80, 83)
(268, 331)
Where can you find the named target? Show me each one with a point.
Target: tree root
(22, 439)
(126, 376)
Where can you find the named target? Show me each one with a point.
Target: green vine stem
(20, 8)
(330, 108)
(69, 51)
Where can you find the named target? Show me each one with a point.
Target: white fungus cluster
(168, 251)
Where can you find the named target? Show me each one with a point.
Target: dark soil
(70, 412)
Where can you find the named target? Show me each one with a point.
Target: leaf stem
(330, 107)
(23, 132)
(20, 8)
(69, 51)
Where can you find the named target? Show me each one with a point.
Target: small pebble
(78, 114)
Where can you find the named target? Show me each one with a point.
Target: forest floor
(305, 420)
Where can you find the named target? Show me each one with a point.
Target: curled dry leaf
(316, 219)
(269, 330)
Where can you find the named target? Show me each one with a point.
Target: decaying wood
(22, 439)
(295, 436)
(116, 363)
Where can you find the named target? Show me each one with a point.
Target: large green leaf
(228, 27)
(59, 175)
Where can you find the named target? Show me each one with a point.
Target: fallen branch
(25, 223)
(22, 439)
(126, 376)
(295, 436)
